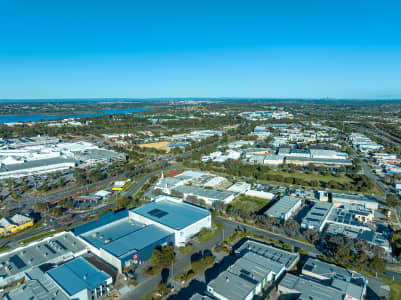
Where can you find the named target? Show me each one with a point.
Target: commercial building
(183, 219)
(167, 184)
(245, 278)
(239, 187)
(327, 154)
(280, 256)
(341, 199)
(121, 242)
(317, 216)
(372, 237)
(240, 144)
(209, 196)
(79, 279)
(258, 265)
(14, 224)
(321, 281)
(37, 286)
(35, 167)
(128, 238)
(33, 156)
(355, 216)
(273, 160)
(284, 208)
(259, 194)
(363, 143)
(59, 248)
(121, 185)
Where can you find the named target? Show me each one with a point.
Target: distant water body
(35, 118)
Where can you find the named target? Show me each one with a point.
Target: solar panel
(50, 249)
(158, 213)
(17, 261)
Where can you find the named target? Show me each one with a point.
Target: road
(230, 226)
(150, 283)
(138, 184)
(13, 240)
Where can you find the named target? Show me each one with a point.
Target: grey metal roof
(242, 277)
(353, 197)
(231, 286)
(274, 254)
(347, 216)
(352, 283)
(310, 289)
(172, 214)
(375, 238)
(282, 206)
(36, 163)
(320, 160)
(77, 275)
(37, 287)
(317, 216)
(50, 249)
(211, 194)
(199, 297)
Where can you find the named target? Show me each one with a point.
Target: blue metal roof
(102, 220)
(137, 240)
(77, 275)
(172, 214)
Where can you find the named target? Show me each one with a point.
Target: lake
(35, 118)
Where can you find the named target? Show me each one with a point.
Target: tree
(342, 255)
(163, 257)
(311, 235)
(26, 187)
(291, 227)
(392, 200)
(163, 289)
(80, 176)
(377, 264)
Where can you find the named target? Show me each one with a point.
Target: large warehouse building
(183, 219)
(129, 237)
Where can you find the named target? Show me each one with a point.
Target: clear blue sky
(218, 48)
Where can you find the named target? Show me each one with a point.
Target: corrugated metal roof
(137, 240)
(77, 275)
(172, 214)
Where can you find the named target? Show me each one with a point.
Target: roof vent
(227, 279)
(84, 276)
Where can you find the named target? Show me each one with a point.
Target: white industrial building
(126, 238)
(284, 208)
(172, 214)
(209, 196)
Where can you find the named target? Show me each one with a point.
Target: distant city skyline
(209, 49)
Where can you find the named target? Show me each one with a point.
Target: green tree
(377, 264)
(392, 200)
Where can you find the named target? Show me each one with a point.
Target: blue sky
(146, 49)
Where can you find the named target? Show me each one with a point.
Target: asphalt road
(230, 226)
(150, 284)
(138, 184)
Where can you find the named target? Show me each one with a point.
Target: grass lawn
(5, 248)
(248, 203)
(309, 177)
(206, 234)
(40, 236)
(187, 249)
